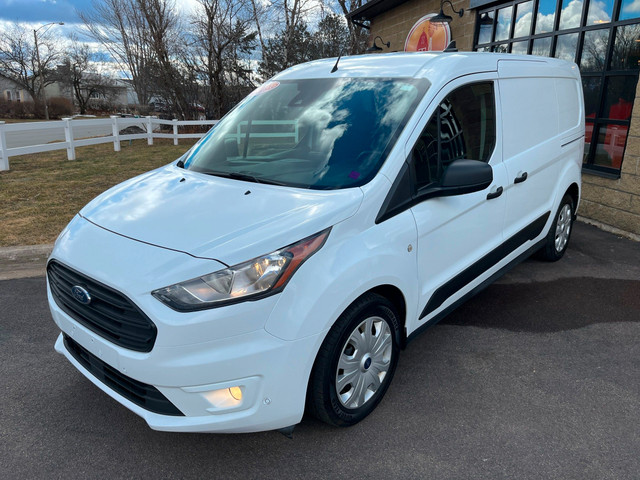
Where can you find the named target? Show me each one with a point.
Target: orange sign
(428, 37)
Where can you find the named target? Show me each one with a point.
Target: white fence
(68, 126)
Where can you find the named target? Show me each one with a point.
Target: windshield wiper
(245, 177)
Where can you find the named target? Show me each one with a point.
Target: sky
(35, 13)
(44, 11)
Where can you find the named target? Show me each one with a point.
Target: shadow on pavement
(551, 306)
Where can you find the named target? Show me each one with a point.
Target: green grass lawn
(42, 192)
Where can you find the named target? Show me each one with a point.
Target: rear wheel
(356, 362)
(560, 232)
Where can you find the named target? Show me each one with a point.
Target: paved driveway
(536, 377)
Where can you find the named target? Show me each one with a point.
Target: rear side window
(463, 127)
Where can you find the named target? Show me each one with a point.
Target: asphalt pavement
(536, 377)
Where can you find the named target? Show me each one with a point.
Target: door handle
(495, 193)
(522, 176)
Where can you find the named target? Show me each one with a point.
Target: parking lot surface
(536, 377)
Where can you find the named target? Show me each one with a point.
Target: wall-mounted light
(442, 18)
(375, 48)
(485, 19)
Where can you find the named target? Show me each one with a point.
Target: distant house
(119, 93)
(11, 92)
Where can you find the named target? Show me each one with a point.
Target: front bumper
(273, 384)
(272, 374)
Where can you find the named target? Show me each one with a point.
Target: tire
(559, 233)
(360, 354)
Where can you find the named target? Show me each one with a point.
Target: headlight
(256, 278)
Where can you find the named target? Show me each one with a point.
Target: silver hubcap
(364, 362)
(563, 227)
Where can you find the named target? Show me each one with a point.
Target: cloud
(42, 10)
(633, 7)
(571, 14)
(598, 13)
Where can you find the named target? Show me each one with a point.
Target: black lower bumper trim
(143, 395)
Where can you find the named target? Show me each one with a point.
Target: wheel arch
(574, 192)
(396, 297)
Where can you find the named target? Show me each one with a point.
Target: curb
(22, 262)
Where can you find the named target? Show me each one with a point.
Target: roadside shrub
(60, 107)
(13, 109)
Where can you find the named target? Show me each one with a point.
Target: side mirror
(465, 176)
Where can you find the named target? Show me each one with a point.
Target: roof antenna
(451, 47)
(335, 67)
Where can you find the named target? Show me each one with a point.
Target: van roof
(435, 66)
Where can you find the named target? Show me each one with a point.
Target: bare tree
(166, 43)
(224, 41)
(122, 29)
(19, 60)
(295, 13)
(79, 74)
(259, 17)
(358, 35)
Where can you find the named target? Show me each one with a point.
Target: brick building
(601, 36)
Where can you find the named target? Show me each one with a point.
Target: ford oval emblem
(81, 295)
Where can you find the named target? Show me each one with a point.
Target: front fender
(353, 261)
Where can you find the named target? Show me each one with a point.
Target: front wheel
(356, 362)
(560, 232)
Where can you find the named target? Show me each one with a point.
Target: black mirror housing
(465, 176)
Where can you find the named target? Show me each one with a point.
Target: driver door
(456, 234)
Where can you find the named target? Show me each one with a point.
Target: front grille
(109, 313)
(143, 395)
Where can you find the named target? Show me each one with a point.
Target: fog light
(224, 398)
(236, 393)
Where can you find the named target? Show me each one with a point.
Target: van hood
(217, 218)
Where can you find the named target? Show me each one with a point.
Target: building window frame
(600, 121)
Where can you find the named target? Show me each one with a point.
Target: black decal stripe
(571, 141)
(432, 321)
(485, 263)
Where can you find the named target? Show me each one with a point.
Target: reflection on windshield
(314, 133)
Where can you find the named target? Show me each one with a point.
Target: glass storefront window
(620, 92)
(594, 50)
(626, 48)
(588, 135)
(524, 16)
(610, 147)
(503, 28)
(519, 48)
(601, 36)
(600, 11)
(629, 9)
(591, 90)
(486, 27)
(541, 47)
(546, 16)
(566, 46)
(570, 14)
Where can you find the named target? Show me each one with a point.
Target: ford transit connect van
(285, 261)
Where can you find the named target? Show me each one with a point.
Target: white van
(285, 261)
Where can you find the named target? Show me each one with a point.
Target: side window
(464, 126)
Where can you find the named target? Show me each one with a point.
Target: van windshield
(312, 133)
